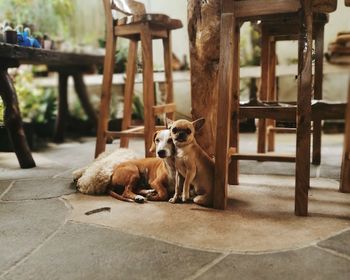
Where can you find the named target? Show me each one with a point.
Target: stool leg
(265, 60)
(13, 120)
(168, 73)
(302, 176)
(233, 169)
(226, 74)
(106, 94)
(318, 80)
(62, 107)
(129, 91)
(271, 95)
(148, 88)
(345, 169)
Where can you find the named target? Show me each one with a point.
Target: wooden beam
(253, 8)
(264, 157)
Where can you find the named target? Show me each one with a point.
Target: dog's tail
(118, 196)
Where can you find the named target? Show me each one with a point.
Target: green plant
(37, 105)
(1, 112)
(50, 17)
(137, 108)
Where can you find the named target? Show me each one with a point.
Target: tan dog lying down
(192, 163)
(136, 175)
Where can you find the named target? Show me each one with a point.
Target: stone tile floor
(39, 241)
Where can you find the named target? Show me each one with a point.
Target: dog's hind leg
(128, 192)
(203, 200)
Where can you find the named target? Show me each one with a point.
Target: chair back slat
(128, 7)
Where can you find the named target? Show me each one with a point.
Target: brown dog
(157, 173)
(192, 163)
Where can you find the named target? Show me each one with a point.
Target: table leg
(13, 121)
(302, 166)
(62, 107)
(318, 83)
(80, 89)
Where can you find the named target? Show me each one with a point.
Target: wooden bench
(66, 64)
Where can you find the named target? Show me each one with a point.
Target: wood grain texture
(129, 91)
(226, 70)
(302, 166)
(233, 168)
(25, 55)
(345, 169)
(264, 157)
(159, 20)
(128, 7)
(204, 37)
(272, 93)
(167, 43)
(264, 86)
(318, 92)
(108, 69)
(148, 87)
(13, 121)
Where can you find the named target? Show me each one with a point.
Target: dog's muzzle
(162, 153)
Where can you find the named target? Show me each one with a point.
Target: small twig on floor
(98, 210)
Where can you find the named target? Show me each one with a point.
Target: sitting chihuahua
(192, 163)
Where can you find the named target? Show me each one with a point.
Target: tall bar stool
(283, 28)
(339, 53)
(136, 26)
(227, 135)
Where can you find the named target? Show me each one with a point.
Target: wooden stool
(227, 135)
(136, 26)
(345, 169)
(285, 28)
(339, 53)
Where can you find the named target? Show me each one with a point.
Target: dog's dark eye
(174, 130)
(188, 131)
(170, 141)
(157, 140)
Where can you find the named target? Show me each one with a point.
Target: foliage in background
(36, 104)
(1, 112)
(48, 17)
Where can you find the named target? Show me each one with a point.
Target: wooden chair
(339, 53)
(227, 134)
(135, 26)
(285, 28)
(345, 169)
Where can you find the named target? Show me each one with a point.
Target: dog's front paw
(140, 199)
(174, 199)
(185, 198)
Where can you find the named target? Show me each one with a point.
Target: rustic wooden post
(318, 93)
(13, 121)
(302, 177)
(204, 36)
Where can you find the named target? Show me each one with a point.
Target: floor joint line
(208, 266)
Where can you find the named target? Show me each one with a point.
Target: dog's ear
(168, 123)
(198, 124)
(153, 146)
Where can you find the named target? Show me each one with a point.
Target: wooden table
(66, 64)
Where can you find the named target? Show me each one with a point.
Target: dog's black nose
(162, 153)
(182, 135)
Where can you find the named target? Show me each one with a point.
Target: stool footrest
(263, 157)
(137, 131)
(164, 109)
